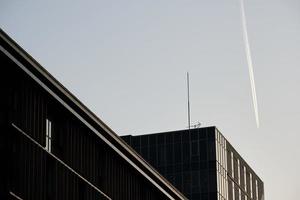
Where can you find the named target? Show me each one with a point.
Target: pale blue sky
(127, 61)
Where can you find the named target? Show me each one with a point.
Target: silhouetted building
(201, 163)
(53, 147)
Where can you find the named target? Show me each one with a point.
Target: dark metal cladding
(198, 163)
(53, 147)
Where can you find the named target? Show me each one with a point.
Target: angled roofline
(73, 104)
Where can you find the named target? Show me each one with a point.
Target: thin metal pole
(188, 93)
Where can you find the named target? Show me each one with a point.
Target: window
(203, 150)
(221, 155)
(48, 135)
(195, 150)
(217, 151)
(232, 166)
(245, 179)
(225, 153)
(221, 184)
(251, 186)
(218, 182)
(256, 189)
(226, 188)
(233, 191)
(239, 172)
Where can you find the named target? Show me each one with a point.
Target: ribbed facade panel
(49, 150)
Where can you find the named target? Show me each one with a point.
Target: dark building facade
(54, 148)
(201, 163)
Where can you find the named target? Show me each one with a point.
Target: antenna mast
(188, 98)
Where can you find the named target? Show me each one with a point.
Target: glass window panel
(203, 150)
(256, 189)
(233, 191)
(177, 152)
(245, 179)
(232, 165)
(48, 137)
(239, 171)
(251, 186)
(195, 149)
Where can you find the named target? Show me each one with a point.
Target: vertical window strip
(226, 157)
(224, 160)
(224, 187)
(256, 189)
(232, 167)
(227, 196)
(251, 191)
(221, 148)
(245, 179)
(220, 155)
(226, 182)
(48, 135)
(217, 150)
(219, 145)
(218, 182)
(239, 172)
(233, 191)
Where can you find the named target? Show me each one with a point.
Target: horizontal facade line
(14, 195)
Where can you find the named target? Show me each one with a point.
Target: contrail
(249, 61)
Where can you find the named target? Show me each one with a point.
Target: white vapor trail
(249, 61)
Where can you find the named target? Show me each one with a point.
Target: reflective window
(218, 182)
(217, 151)
(48, 135)
(195, 150)
(225, 152)
(203, 150)
(245, 179)
(256, 189)
(233, 191)
(232, 165)
(239, 172)
(251, 186)
(226, 188)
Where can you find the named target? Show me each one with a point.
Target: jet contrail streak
(249, 61)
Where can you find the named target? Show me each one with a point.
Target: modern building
(52, 147)
(201, 163)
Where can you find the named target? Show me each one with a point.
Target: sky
(127, 61)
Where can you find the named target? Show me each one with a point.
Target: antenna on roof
(188, 99)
